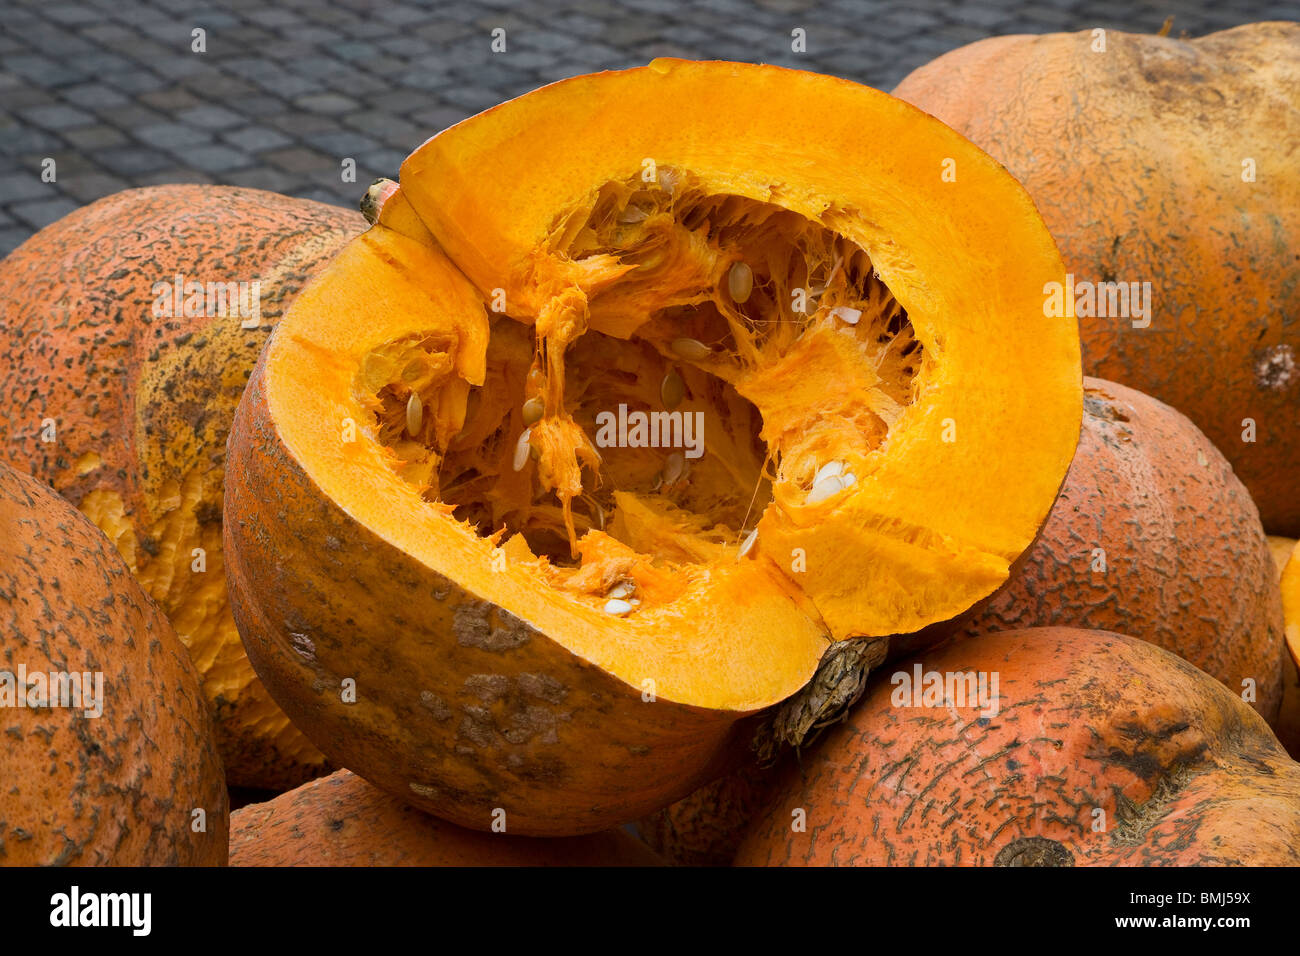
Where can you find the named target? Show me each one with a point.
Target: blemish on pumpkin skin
(1275, 368)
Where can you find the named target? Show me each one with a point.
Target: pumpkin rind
(1105, 750)
(341, 820)
(121, 788)
(142, 404)
(1137, 157)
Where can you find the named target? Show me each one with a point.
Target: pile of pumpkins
(986, 555)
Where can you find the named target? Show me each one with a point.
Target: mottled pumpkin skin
(119, 789)
(142, 405)
(341, 820)
(706, 827)
(1186, 562)
(1182, 771)
(1135, 158)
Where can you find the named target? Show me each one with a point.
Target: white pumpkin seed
(849, 480)
(845, 314)
(672, 389)
(740, 282)
(619, 591)
(832, 469)
(692, 350)
(824, 489)
(747, 545)
(522, 450)
(673, 467)
(618, 607)
(414, 414)
(633, 214)
(533, 411)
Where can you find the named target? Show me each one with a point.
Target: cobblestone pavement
(114, 92)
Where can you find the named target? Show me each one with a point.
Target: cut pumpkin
(581, 454)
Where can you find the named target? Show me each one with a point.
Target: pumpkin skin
(120, 788)
(143, 403)
(1187, 566)
(1184, 772)
(707, 826)
(1134, 156)
(341, 820)
(489, 672)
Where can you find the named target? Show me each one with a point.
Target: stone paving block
(91, 138)
(255, 139)
(56, 117)
(24, 185)
(171, 135)
(87, 187)
(261, 177)
(214, 158)
(133, 161)
(39, 213)
(209, 117)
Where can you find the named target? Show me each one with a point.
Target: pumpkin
(1155, 537)
(123, 353)
(108, 753)
(457, 555)
(341, 820)
(1170, 162)
(1091, 749)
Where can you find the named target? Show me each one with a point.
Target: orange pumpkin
(459, 559)
(108, 753)
(1152, 536)
(341, 820)
(123, 354)
(1091, 749)
(1169, 162)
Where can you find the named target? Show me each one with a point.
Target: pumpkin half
(641, 392)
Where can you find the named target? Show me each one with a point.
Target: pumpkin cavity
(690, 358)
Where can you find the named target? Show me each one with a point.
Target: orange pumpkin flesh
(127, 775)
(1171, 162)
(1104, 750)
(142, 395)
(1287, 725)
(462, 575)
(341, 820)
(1155, 537)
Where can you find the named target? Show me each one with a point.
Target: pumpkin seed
(692, 350)
(824, 489)
(533, 410)
(832, 469)
(522, 450)
(845, 314)
(619, 591)
(414, 414)
(673, 467)
(633, 214)
(747, 545)
(672, 389)
(849, 480)
(618, 607)
(740, 281)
